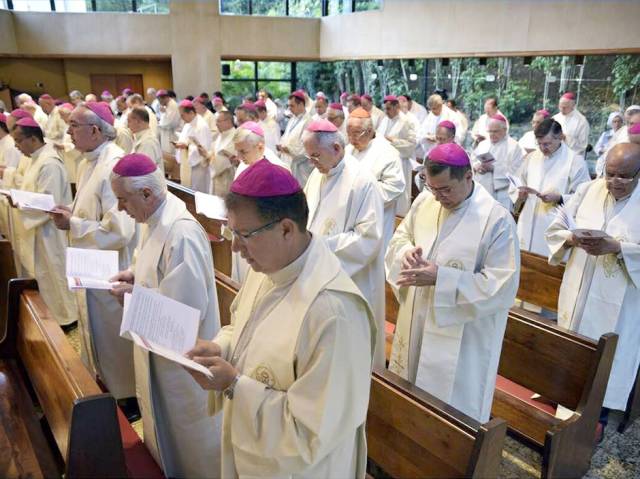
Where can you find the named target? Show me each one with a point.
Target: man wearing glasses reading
(600, 290)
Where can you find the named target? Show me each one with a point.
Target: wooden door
(115, 83)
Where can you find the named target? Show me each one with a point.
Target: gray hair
(154, 181)
(23, 98)
(434, 100)
(243, 134)
(75, 95)
(105, 128)
(151, 91)
(325, 139)
(136, 98)
(365, 123)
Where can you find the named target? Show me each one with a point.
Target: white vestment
(124, 139)
(210, 119)
(449, 336)
(528, 142)
(97, 224)
(601, 294)
(560, 173)
(383, 161)
(419, 111)
(40, 117)
(9, 157)
(222, 170)
(194, 168)
(402, 132)
(168, 124)
(174, 258)
(301, 167)
(508, 159)
(376, 116)
(429, 126)
(481, 124)
(13, 177)
(302, 339)
(576, 130)
(38, 244)
(56, 126)
(346, 209)
(146, 142)
(271, 132)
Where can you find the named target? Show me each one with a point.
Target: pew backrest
(227, 289)
(539, 281)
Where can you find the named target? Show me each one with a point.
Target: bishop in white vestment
(290, 148)
(454, 265)
(346, 210)
(174, 258)
(528, 142)
(293, 369)
(194, 140)
(600, 291)
(479, 130)
(145, 141)
(574, 125)
(222, 161)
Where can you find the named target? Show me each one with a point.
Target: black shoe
(67, 328)
(130, 409)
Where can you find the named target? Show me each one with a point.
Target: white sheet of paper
(563, 413)
(514, 180)
(91, 268)
(211, 206)
(565, 218)
(161, 320)
(33, 201)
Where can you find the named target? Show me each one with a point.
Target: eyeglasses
(244, 237)
(620, 179)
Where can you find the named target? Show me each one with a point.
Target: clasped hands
(595, 246)
(415, 271)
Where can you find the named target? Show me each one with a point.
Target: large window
(242, 79)
(139, 6)
(296, 8)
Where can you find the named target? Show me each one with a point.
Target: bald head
(622, 165)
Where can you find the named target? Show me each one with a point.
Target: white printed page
(211, 206)
(33, 201)
(161, 320)
(91, 263)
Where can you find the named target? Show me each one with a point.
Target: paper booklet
(91, 268)
(162, 326)
(482, 154)
(27, 200)
(569, 223)
(211, 206)
(485, 157)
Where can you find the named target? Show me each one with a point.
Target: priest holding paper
(600, 290)
(454, 265)
(174, 258)
(550, 175)
(293, 369)
(192, 149)
(94, 222)
(38, 244)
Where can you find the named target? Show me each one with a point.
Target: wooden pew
(82, 432)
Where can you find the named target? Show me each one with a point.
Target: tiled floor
(617, 457)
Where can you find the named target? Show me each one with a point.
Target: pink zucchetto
(634, 130)
(253, 127)
(264, 179)
(499, 117)
(101, 109)
(335, 106)
(543, 113)
(160, 93)
(299, 94)
(134, 164)
(106, 93)
(402, 97)
(217, 101)
(449, 154)
(260, 104)
(19, 113)
(569, 96)
(449, 125)
(3, 118)
(321, 126)
(367, 97)
(390, 98)
(186, 104)
(67, 106)
(248, 105)
(29, 122)
(127, 91)
(45, 96)
(344, 95)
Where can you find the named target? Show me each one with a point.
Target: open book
(27, 200)
(91, 268)
(569, 223)
(211, 206)
(517, 183)
(162, 326)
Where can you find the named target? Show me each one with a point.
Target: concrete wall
(438, 28)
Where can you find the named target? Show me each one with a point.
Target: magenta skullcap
(544, 113)
(28, 122)
(499, 117)
(449, 125)
(344, 95)
(186, 104)
(299, 94)
(449, 154)
(45, 96)
(634, 130)
(127, 91)
(3, 118)
(106, 93)
(335, 106)
(264, 179)
(402, 97)
(569, 96)
(217, 101)
(390, 98)
(354, 97)
(134, 164)
(67, 106)
(321, 126)
(366, 96)
(162, 93)
(102, 109)
(19, 113)
(248, 105)
(259, 104)
(253, 127)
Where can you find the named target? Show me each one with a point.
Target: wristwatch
(228, 392)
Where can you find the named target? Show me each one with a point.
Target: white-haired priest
(174, 258)
(454, 265)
